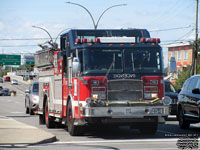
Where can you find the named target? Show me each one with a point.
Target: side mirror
(76, 67)
(27, 91)
(196, 91)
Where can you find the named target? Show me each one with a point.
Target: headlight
(95, 96)
(150, 95)
(167, 100)
(35, 98)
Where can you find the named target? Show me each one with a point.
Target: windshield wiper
(132, 59)
(109, 69)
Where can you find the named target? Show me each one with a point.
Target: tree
(184, 75)
(166, 71)
(4, 73)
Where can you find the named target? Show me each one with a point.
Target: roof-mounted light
(97, 40)
(84, 40)
(143, 40)
(78, 41)
(116, 39)
(149, 40)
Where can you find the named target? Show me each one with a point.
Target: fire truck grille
(125, 90)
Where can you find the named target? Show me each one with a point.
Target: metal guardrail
(25, 73)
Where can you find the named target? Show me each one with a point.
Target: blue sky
(18, 16)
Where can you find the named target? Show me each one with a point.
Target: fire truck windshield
(142, 61)
(121, 60)
(99, 61)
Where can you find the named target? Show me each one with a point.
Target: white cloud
(1, 26)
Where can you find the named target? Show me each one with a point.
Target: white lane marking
(119, 141)
(16, 112)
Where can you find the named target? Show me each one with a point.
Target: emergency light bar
(149, 40)
(116, 39)
(112, 40)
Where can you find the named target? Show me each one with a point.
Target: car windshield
(35, 88)
(139, 60)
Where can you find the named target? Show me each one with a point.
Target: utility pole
(196, 37)
(195, 50)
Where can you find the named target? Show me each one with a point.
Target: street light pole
(60, 33)
(105, 11)
(53, 45)
(196, 38)
(95, 24)
(85, 9)
(44, 30)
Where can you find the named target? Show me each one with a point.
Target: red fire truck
(102, 77)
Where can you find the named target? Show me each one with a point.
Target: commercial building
(183, 55)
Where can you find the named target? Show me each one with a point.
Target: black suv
(189, 102)
(171, 92)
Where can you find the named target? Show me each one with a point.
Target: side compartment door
(58, 87)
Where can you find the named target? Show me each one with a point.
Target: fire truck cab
(102, 77)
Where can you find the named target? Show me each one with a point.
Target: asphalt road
(122, 138)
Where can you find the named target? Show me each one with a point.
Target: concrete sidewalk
(17, 134)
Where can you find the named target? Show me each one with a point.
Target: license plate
(157, 111)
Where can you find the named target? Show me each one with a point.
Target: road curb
(50, 140)
(17, 134)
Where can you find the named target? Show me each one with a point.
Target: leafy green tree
(184, 75)
(165, 71)
(4, 73)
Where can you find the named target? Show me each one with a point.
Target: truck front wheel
(48, 120)
(41, 119)
(30, 109)
(72, 129)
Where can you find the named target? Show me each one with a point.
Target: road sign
(10, 59)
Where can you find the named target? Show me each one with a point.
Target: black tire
(27, 109)
(183, 124)
(148, 128)
(71, 128)
(30, 109)
(41, 119)
(48, 120)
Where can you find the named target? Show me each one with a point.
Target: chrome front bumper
(125, 112)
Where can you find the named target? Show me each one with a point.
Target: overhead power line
(178, 28)
(24, 39)
(32, 39)
(18, 45)
(180, 39)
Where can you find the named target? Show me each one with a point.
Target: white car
(14, 82)
(32, 98)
